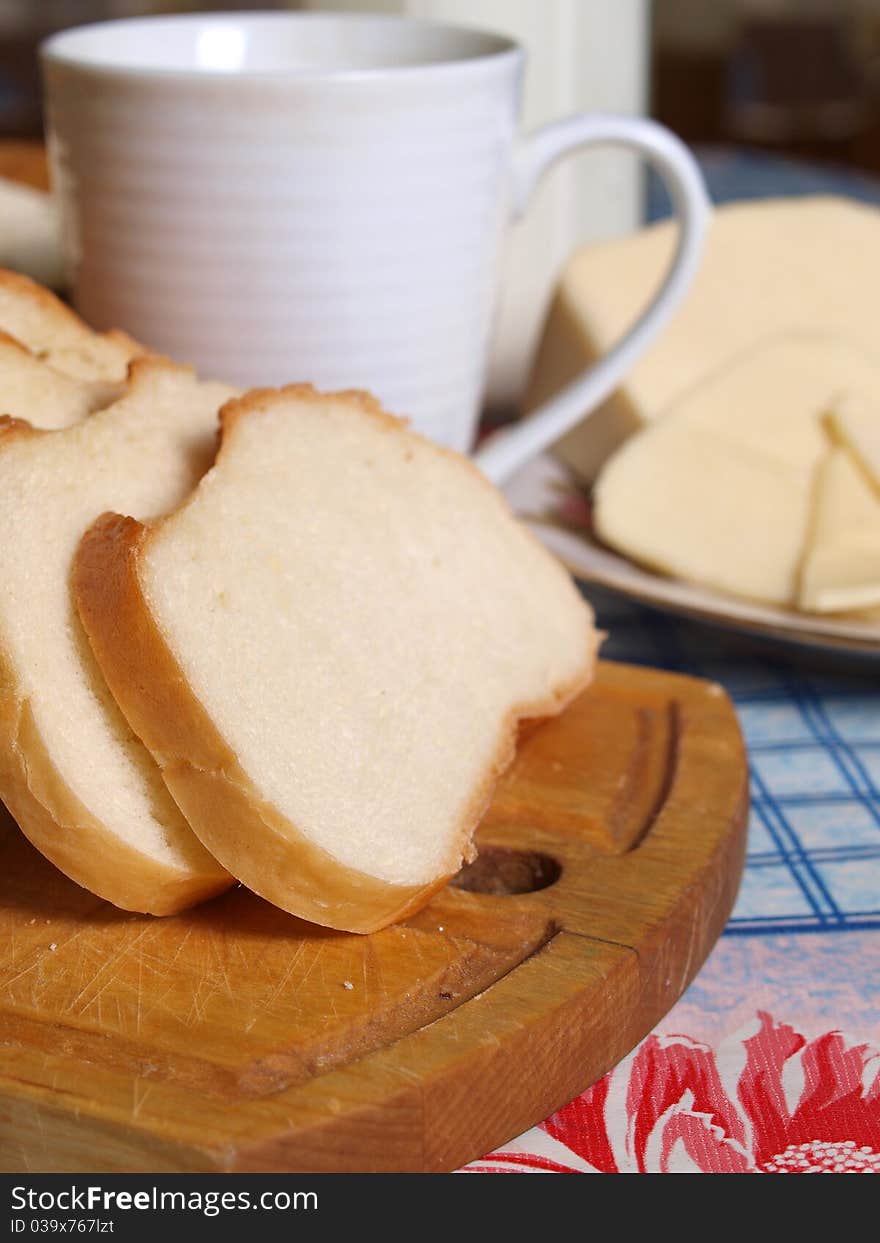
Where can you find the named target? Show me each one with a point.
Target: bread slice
(32, 390)
(328, 649)
(82, 787)
(55, 333)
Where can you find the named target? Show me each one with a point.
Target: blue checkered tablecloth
(770, 1061)
(813, 735)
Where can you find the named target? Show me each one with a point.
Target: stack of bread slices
(271, 637)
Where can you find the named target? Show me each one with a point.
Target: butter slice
(841, 571)
(855, 423)
(770, 267)
(719, 491)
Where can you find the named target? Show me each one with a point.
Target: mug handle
(506, 451)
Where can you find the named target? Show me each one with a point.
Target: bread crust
(62, 828)
(245, 833)
(43, 300)
(6, 338)
(59, 825)
(52, 816)
(62, 318)
(249, 836)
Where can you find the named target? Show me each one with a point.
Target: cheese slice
(769, 267)
(719, 490)
(684, 501)
(841, 571)
(855, 423)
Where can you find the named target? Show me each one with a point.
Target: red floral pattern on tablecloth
(767, 1101)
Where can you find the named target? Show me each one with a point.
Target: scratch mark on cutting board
(181, 945)
(140, 1092)
(139, 996)
(107, 969)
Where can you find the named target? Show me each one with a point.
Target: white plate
(547, 498)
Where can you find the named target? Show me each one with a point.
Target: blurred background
(799, 76)
(778, 96)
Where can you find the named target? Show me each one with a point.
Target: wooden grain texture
(236, 1037)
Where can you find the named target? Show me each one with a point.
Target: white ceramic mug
(284, 197)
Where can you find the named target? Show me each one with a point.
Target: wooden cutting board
(236, 1037)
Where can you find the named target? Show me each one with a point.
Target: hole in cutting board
(499, 871)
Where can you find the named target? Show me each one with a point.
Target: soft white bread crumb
(82, 787)
(31, 389)
(340, 631)
(55, 333)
